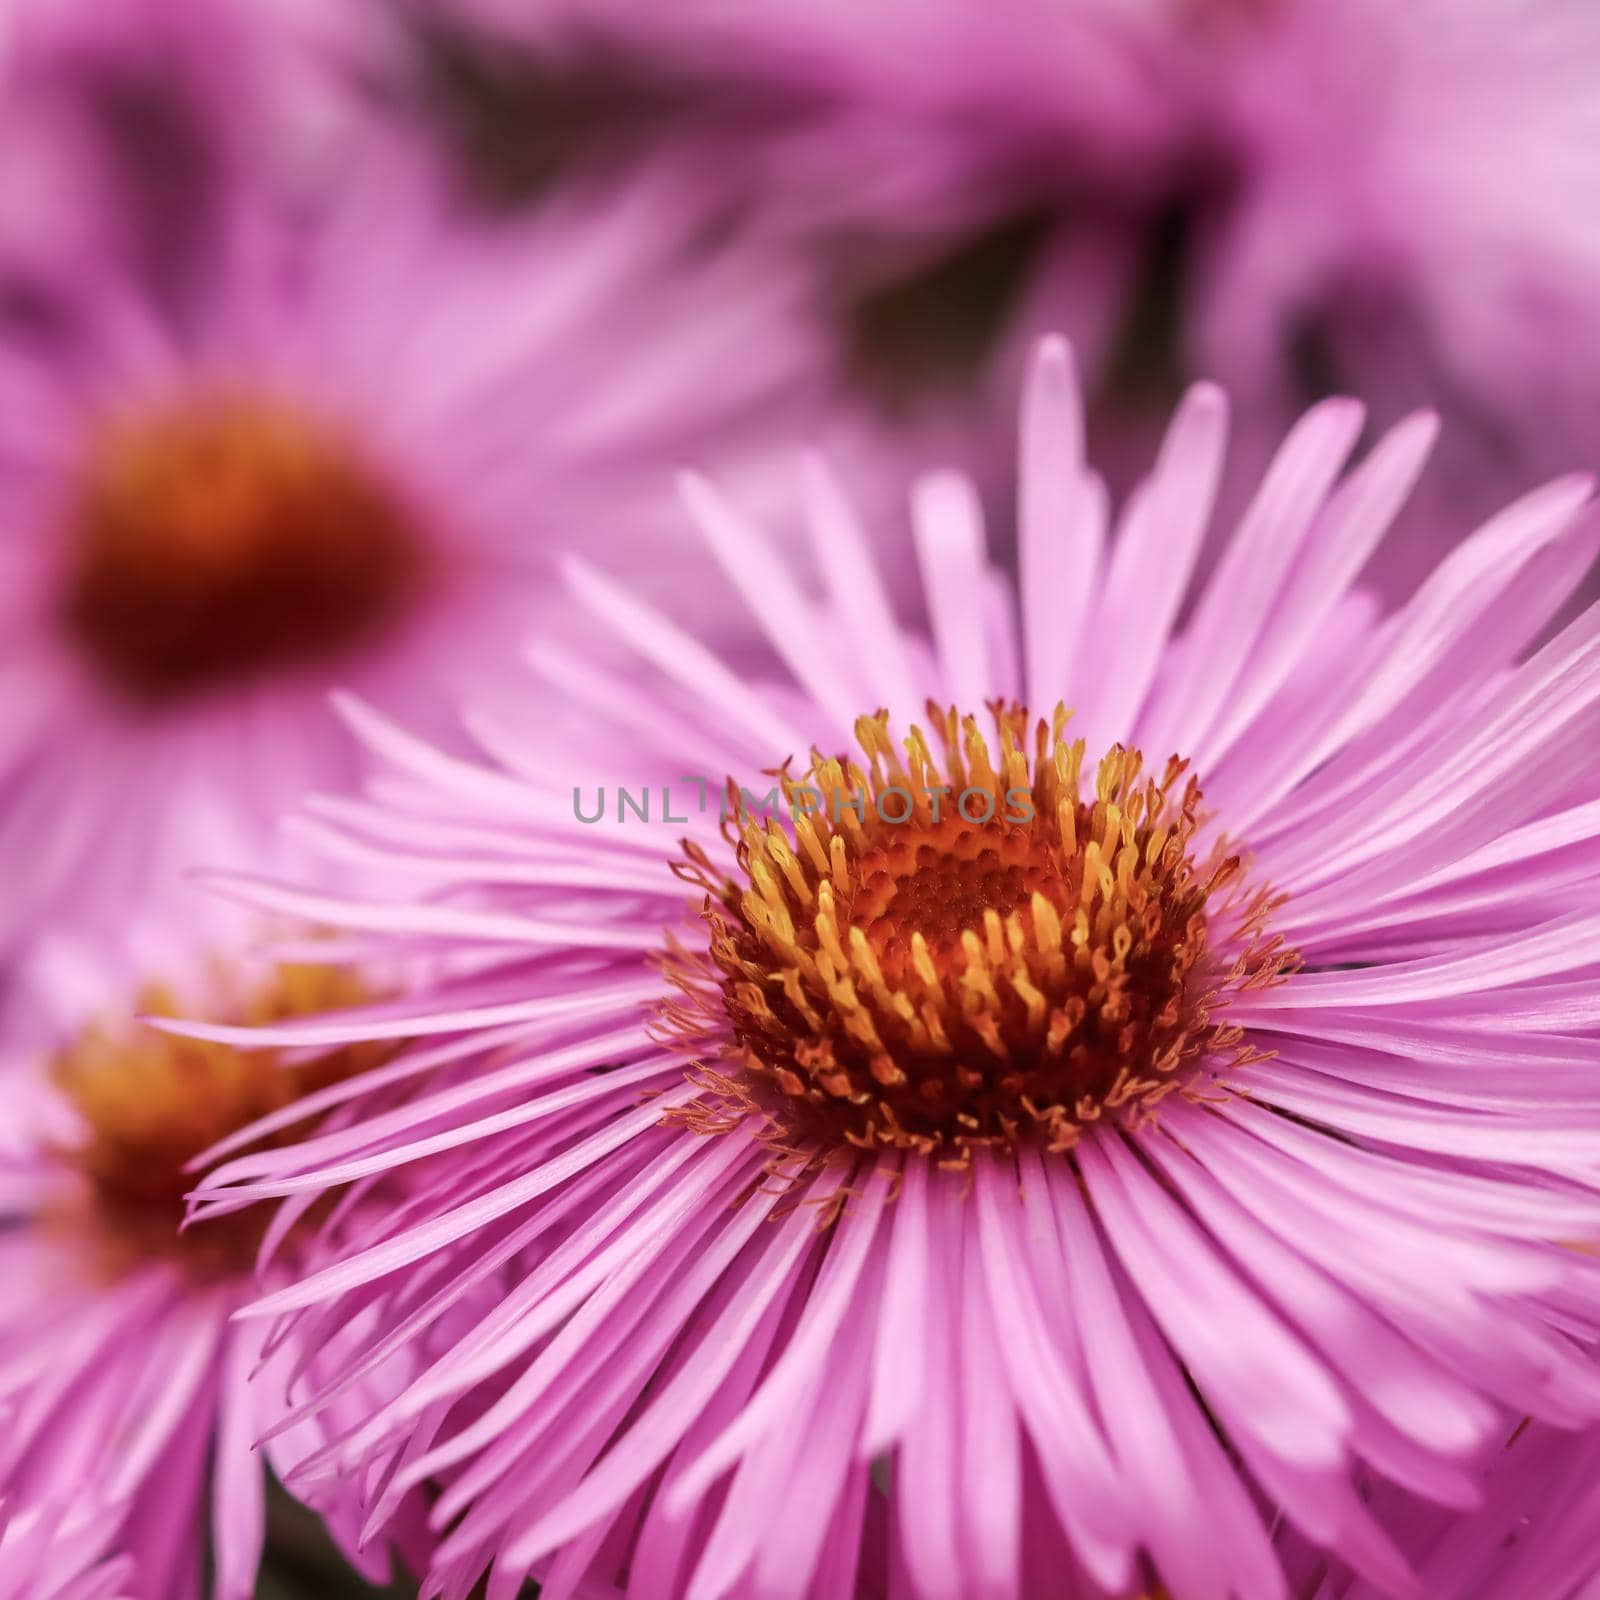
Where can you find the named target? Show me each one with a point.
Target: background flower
(1295, 198)
(136, 1410)
(1414, 222)
(348, 462)
(134, 126)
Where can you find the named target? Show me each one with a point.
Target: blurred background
(1294, 197)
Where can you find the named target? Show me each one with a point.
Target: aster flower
(347, 463)
(977, 115)
(1528, 1534)
(1297, 197)
(1414, 218)
(1048, 1154)
(132, 1425)
(926, 186)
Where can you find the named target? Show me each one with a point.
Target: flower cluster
(585, 1004)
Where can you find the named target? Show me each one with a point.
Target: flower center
(938, 881)
(150, 1102)
(943, 955)
(228, 538)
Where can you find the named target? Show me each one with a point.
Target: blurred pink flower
(1032, 95)
(135, 1408)
(871, 136)
(1290, 196)
(1529, 1536)
(346, 463)
(58, 1558)
(1149, 1187)
(1415, 218)
(131, 125)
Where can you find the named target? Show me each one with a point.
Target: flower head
(1295, 197)
(1162, 1168)
(1013, 973)
(1460, 269)
(134, 1402)
(347, 461)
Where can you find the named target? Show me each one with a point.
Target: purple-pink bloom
(133, 1457)
(1292, 196)
(874, 139)
(58, 1557)
(1412, 220)
(1173, 1180)
(131, 126)
(1529, 1536)
(981, 110)
(347, 462)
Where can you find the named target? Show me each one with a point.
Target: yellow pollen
(969, 951)
(150, 1102)
(227, 538)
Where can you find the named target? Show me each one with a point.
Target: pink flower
(132, 125)
(1528, 1536)
(1412, 220)
(58, 1558)
(1418, 200)
(1146, 1172)
(135, 1408)
(1013, 98)
(877, 138)
(344, 460)
(1292, 196)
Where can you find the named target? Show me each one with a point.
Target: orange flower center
(223, 540)
(939, 955)
(151, 1102)
(939, 881)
